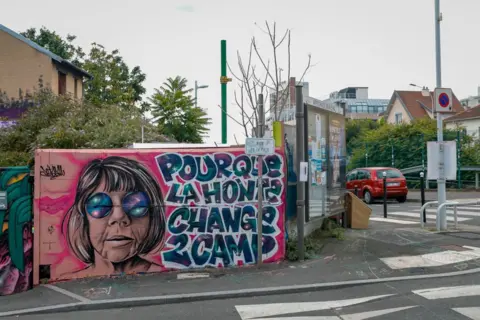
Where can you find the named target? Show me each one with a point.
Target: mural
(131, 211)
(16, 238)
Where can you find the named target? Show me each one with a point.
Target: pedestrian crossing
(411, 215)
(393, 305)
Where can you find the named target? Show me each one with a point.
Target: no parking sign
(443, 100)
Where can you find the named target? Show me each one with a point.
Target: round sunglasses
(134, 204)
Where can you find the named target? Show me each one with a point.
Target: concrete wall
(398, 108)
(21, 66)
(106, 212)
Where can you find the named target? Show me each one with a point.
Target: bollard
(422, 194)
(356, 191)
(385, 194)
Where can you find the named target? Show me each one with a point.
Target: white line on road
(432, 259)
(429, 216)
(67, 293)
(353, 316)
(463, 213)
(449, 292)
(372, 314)
(256, 311)
(388, 220)
(472, 313)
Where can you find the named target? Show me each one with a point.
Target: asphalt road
(392, 301)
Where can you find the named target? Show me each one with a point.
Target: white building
(469, 120)
(358, 104)
(471, 101)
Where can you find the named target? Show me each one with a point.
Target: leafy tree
(61, 122)
(175, 113)
(409, 142)
(53, 42)
(355, 129)
(113, 81)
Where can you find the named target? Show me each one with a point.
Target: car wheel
(367, 197)
(402, 199)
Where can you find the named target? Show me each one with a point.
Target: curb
(228, 294)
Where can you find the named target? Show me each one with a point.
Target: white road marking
(67, 293)
(463, 213)
(353, 316)
(432, 259)
(303, 318)
(259, 311)
(429, 216)
(372, 314)
(449, 292)
(388, 220)
(472, 313)
(192, 275)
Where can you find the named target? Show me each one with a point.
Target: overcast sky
(382, 44)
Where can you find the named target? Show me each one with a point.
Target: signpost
(443, 100)
(443, 104)
(260, 147)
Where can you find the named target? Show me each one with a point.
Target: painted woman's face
(118, 222)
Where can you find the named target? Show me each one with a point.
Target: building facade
(406, 106)
(471, 101)
(468, 120)
(24, 66)
(358, 105)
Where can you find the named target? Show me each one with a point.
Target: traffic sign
(259, 146)
(443, 100)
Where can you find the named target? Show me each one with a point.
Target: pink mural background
(104, 212)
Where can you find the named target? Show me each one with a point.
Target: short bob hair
(118, 174)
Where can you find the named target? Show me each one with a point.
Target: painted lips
(120, 240)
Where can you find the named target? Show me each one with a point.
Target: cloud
(186, 8)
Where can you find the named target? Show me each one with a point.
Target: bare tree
(260, 72)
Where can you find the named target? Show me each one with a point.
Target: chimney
(478, 90)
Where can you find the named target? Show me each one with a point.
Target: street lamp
(196, 89)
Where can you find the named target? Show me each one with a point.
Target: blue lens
(136, 204)
(99, 205)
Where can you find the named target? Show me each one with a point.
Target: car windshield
(390, 173)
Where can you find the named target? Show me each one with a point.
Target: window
(363, 175)
(398, 118)
(75, 92)
(62, 83)
(390, 174)
(352, 176)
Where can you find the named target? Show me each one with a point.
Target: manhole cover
(453, 247)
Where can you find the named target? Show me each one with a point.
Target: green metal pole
(223, 45)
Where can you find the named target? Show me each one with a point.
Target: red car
(369, 184)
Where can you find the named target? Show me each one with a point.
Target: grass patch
(316, 240)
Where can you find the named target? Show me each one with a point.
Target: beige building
(406, 106)
(23, 63)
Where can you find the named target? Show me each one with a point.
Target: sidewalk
(431, 195)
(356, 258)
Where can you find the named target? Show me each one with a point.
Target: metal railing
(455, 204)
(439, 218)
